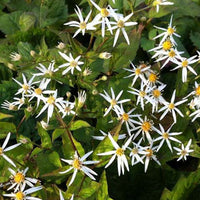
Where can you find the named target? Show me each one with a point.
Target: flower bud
(32, 53)
(105, 55)
(104, 78)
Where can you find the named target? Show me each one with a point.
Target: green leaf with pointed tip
(3, 115)
(45, 138)
(5, 128)
(26, 21)
(79, 124)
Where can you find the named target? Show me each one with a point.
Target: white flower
(67, 108)
(8, 105)
(81, 98)
(119, 152)
(157, 3)
(142, 94)
(137, 72)
(87, 71)
(46, 71)
(25, 86)
(83, 25)
(164, 46)
(105, 55)
(15, 56)
(71, 64)
(120, 137)
(22, 194)
(135, 151)
(150, 155)
(196, 114)
(79, 164)
(19, 101)
(183, 152)
(61, 45)
(171, 107)
(127, 118)
(3, 149)
(168, 33)
(185, 63)
(50, 103)
(44, 125)
(19, 180)
(166, 136)
(196, 91)
(113, 100)
(104, 15)
(145, 127)
(120, 24)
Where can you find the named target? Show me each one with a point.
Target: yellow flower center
(171, 106)
(172, 53)
(137, 71)
(157, 2)
(149, 152)
(25, 87)
(21, 101)
(170, 31)
(167, 45)
(156, 93)
(38, 91)
(1, 151)
(19, 195)
(165, 135)
(183, 152)
(198, 90)
(67, 109)
(125, 117)
(113, 102)
(152, 78)
(134, 151)
(185, 63)
(76, 163)
(120, 151)
(19, 177)
(12, 107)
(73, 63)
(83, 25)
(146, 126)
(51, 100)
(104, 12)
(142, 93)
(120, 23)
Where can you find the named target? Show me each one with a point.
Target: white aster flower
(19, 101)
(81, 98)
(8, 105)
(19, 180)
(196, 91)
(50, 103)
(195, 114)
(46, 71)
(113, 100)
(78, 164)
(67, 108)
(168, 33)
(82, 25)
(158, 3)
(25, 86)
(127, 118)
(183, 152)
(171, 107)
(135, 153)
(145, 127)
(185, 63)
(22, 194)
(119, 152)
(104, 135)
(120, 24)
(3, 149)
(104, 14)
(15, 56)
(137, 72)
(71, 64)
(150, 155)
(166, 136)
(61, 45)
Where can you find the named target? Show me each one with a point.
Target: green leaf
(24, 49)
(79, 124)
(6, 127)
(3, 115)
(54, 158)
(103, 189)
(45, 138)
(26, 21)
(195, 38)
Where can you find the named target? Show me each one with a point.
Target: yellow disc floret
(156, 93)
(83, 25)
(157, 2)
(172, 53)
(120, 23)
(152, 78)
(19, 177)
(138, 71)
(77, 163)
(170, 31)
(142, 93)
(73, 63)
(167, 45)
(1, 151)
(146, 126)
(149, 152)
(113, 102)
(120, 151)
(197, 91)
(25, 87)
(19, 195)
(38, 91)
(125, 116)
(165, 135)
(171, 106)
(185, 63)
(104, 12)
(134, 150)
(51, 100)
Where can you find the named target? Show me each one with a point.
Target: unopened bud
(29, 108)
(143, 19)
(68, 94)
(44, 125)
(60, 45)
(105, 55)
(32, 53)
(104, 78)
(94, 92)
(11, 66)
